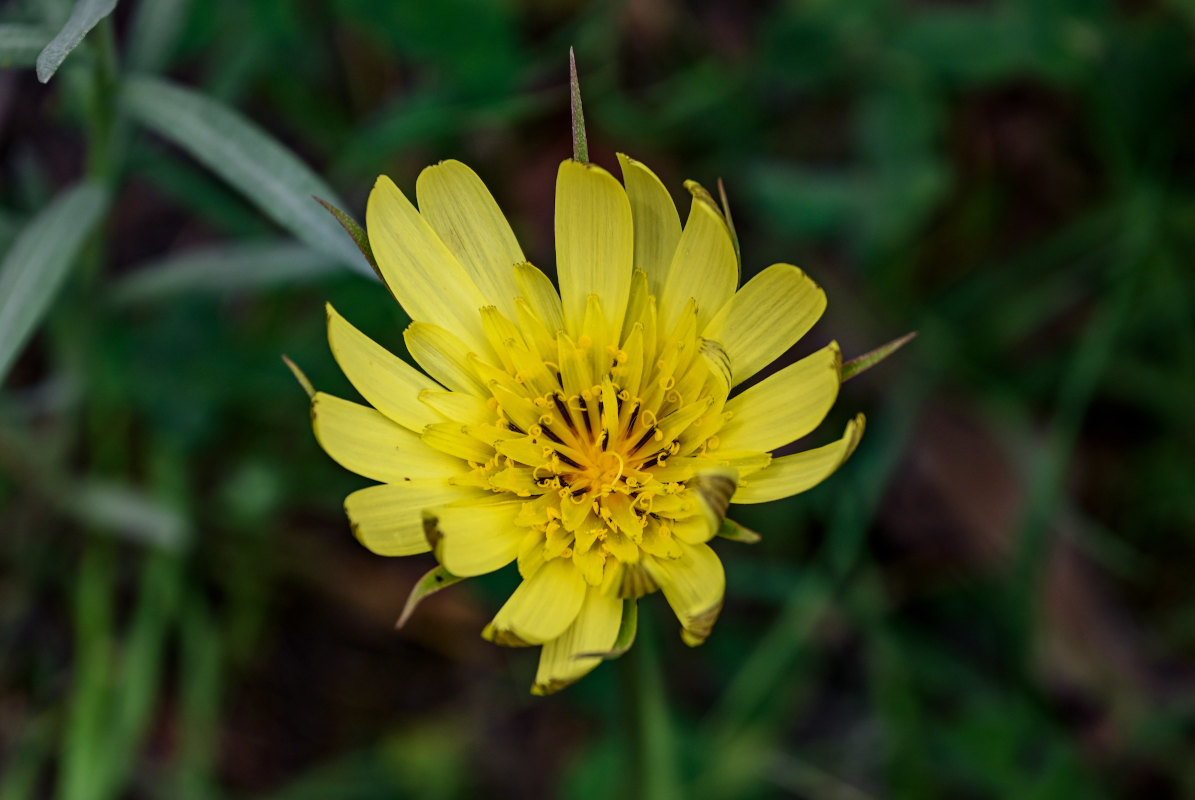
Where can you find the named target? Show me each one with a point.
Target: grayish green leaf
(156, 26)
(85, 16)
(36, 265)
(128, 512)
(226, 268)
(53, 12)
(20, 44)
(269, 175)
(116, 508)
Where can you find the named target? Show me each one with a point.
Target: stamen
(563, 409)
(634, 416)
(651, 432)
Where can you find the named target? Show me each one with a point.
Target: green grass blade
(201, 678)
(85, 16)
(83, 766)
(142, 662)
(252, 162)
(655, 735)
(37, 264)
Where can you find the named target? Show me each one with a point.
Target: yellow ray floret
(588, 434)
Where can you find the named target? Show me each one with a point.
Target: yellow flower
(590, 435)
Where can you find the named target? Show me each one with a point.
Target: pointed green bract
(354, 229)
(735, 532)
(868, 360)
(729, 219)
(300, 376)
(580, 142)
(439, 578)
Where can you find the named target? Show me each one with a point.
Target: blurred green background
(993, 599)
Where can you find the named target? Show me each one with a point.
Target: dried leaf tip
(580, 143)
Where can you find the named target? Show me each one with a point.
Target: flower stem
(656, 771)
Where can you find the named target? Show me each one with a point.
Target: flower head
(589, 434)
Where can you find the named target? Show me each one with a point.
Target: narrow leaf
(128, 512)
(580, 142)
(20, 44)
(155, 29)
(626, 632)
(226, 268)
(265, 172)
(868, 360)
(737, 533)
(300, 376)
(439, 578)
(85, 16)
(354, 230)
(38, 262)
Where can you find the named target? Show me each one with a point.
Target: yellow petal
(390, 384)
(453, 438)
(472, 540)
(594, 242)
(444, 356)
(693, 530)
(594, 631)
(543, 606)
(766, 317)
(704, 267)
(462, 212)
(657, 224)
(785, 406)
(789, 475)
(419, 269)
(364, 441)
(537, 289)
(693, 585)
(458, 406)
(388, 519)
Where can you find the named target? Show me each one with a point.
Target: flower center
(601, 436)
